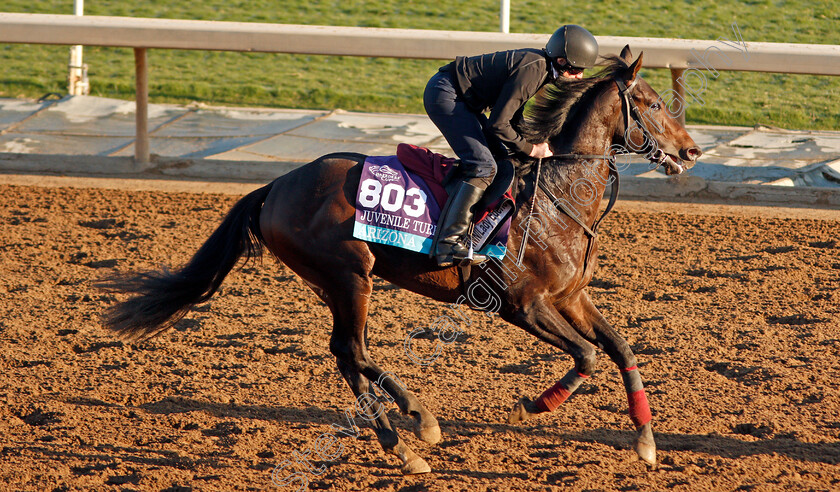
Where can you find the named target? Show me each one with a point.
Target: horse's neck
(594, 126)
(571, 179)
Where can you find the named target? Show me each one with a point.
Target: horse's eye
(655, 106)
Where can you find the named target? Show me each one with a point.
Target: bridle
(630, 111)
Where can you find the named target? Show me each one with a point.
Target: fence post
(141, 142)
(676, 73)
(77, 79)
(504, 16)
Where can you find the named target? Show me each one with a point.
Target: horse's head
(647, 126)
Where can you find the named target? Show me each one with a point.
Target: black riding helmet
(575, 44)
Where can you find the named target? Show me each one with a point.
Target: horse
(305, 220)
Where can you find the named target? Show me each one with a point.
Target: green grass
(392, 85)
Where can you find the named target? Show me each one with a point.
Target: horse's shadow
(711, 444)
(459, 432)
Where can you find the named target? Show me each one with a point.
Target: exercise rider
(456, 99)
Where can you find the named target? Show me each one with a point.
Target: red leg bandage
(560, 392)
(553, 397)
(639, 408)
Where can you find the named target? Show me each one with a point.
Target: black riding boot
(454, 224)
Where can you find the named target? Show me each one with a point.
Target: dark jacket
(502, 82)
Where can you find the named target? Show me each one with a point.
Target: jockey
(456, 98)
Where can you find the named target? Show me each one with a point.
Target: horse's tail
(161, 298)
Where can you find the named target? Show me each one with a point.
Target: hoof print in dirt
(39, 417)
(755, 430)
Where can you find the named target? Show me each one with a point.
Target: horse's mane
(556, 104)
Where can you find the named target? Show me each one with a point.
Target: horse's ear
(633, 69)
(626, 55)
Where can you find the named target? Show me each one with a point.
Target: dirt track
(733, 316)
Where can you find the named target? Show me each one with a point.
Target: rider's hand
(541, 151)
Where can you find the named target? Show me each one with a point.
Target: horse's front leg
(587, 320)
(541, 319)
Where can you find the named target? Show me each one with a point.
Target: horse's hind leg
(426, 426)
(586, 318)
(374, 412)
(348, 296)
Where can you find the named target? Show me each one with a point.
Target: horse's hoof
(522, 411)
(412, 464)
(416, 466)
(429, 435)
(426, 427)
(644, 445)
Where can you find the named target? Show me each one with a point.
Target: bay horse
(305, 219)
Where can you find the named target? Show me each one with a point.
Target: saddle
(400, 198)
(443, 174)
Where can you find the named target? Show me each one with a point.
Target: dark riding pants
(462, 128)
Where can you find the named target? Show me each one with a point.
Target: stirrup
(472, 258)
(452, 259)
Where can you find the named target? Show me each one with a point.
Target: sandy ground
(733, 313)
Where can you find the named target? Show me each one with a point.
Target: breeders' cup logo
(385, 173)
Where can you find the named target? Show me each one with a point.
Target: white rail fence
(689, 60)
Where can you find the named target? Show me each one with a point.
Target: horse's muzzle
(671, 164)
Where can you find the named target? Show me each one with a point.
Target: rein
(591, 233)
(630, 112)
(527, 232)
